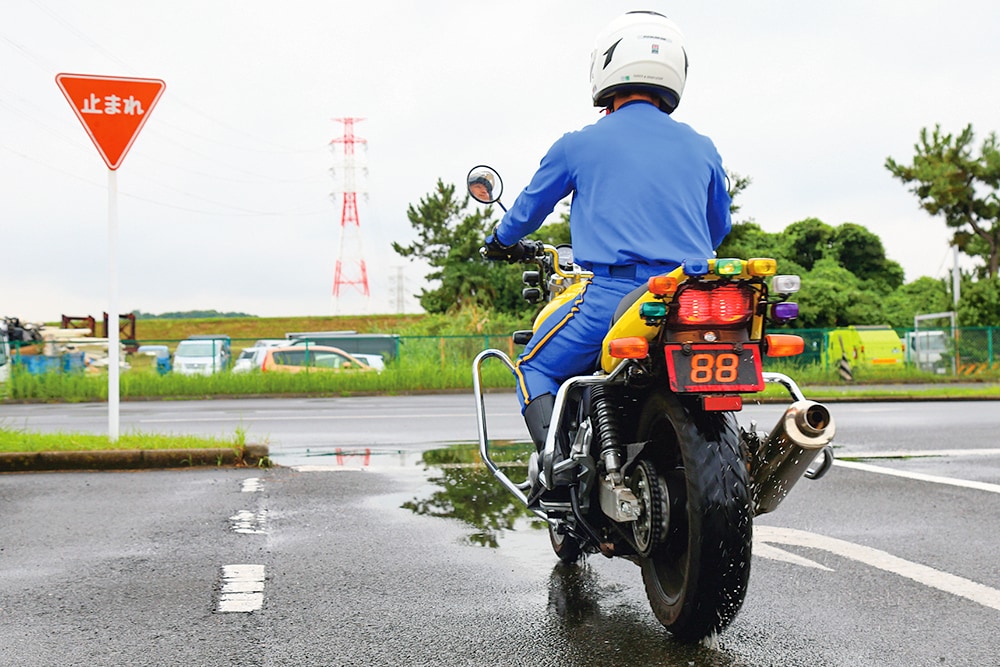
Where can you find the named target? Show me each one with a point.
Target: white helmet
(643, 50)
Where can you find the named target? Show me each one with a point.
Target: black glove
(494, 250)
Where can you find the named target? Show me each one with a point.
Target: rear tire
(697, 578)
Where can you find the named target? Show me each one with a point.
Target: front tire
(697, 578)
(566, 547)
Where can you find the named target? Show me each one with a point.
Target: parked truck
(930, 350)
(877, 345)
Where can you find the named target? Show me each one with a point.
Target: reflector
(722, 403)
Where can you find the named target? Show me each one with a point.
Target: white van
(199, 357)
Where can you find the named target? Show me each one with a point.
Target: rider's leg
(566, 344)
(537, 415)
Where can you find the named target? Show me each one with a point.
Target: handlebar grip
(534, 249)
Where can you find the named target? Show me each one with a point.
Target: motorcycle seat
(627, 301)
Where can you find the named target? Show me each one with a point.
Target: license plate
(713, 367)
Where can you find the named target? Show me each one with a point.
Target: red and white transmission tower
(351, 268)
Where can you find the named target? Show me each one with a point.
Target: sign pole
(113, 331)
(112, 109)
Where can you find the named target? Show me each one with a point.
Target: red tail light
(717, 306)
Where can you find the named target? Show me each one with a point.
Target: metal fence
(962, 351)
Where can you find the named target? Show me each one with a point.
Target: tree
(737, 184)
(747, 239)
(832, 296)
(808, 241)
(950, 181)
(980, 304)
(861, 252)
(924, 295)
(449, 237)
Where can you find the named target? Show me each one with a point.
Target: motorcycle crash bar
(484, 443)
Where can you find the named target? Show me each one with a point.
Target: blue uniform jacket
(646, 190)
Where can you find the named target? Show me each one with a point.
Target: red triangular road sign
(112, 109)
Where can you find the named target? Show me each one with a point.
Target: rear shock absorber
(606, 426)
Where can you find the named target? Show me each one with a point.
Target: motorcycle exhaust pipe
(785, 455)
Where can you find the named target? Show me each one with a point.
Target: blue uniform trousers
(568, 343)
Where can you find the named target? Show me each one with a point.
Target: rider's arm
(719, 221)
(550, 184)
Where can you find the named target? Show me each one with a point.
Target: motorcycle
(658, 471)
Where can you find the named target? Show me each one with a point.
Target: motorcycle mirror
(484, 184)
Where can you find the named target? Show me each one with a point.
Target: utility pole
(350, 269)
(956, 277)
(398, 290)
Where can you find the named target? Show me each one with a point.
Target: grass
(21, 441)
(438, 363)
(414, 375)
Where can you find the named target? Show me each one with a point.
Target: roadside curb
(249, 456)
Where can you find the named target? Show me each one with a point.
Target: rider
(648, 192)
(481, 186)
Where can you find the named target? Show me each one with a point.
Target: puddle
(332, 459)
(463, 488)
(459, 485)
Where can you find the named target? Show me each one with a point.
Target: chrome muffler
(779, 460)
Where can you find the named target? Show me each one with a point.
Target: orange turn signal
(784, 345)
(662, 285)
(633, 347)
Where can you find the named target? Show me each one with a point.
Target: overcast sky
(225, 197)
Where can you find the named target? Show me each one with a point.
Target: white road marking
(380, 417)
(921, 453)
(928, 576)
(249, 523)
(764, 550)
(251, 485)
(964, 483)
(242, 588)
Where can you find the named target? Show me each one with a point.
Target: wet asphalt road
(126, 568)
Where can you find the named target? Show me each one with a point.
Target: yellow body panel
(568, 294)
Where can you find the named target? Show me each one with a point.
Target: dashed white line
(251, 485)
(242, 588)
(249, 523)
